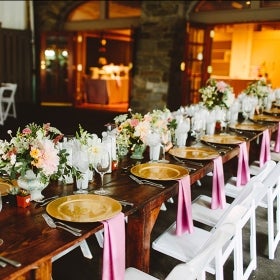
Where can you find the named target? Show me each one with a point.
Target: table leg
(139, 228)
(44, 271)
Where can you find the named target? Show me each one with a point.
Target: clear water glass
(101, 167)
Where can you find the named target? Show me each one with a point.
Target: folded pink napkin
(265, 148)
(218, 184)
(184, 222)
(114, 248)
(243, 172)
(277, 140)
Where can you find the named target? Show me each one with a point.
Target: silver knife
(11, 262)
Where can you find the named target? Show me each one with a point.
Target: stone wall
(160, 48)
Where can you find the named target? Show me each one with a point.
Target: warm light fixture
(236, 5)
(79, 67)
(182, 66)
(64, 53)
(80, 39)
(103, 42)
(50, 53)
(200, 56)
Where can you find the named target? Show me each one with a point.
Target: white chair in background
(186, 246)
(269, 175)
(7, 98)
(231, 190)
(195, 268)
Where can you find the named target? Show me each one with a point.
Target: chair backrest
(7, 100)
(264, 171)
(241, 204)
(263, 176)
(273, 178)
(9, 90)
(195, 267)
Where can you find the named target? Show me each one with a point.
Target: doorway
(57, 70)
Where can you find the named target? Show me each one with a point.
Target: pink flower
(221, 86)
(26, 130)
(134, 122)
(49, 160)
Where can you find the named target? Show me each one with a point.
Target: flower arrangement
(133, 128)
(34, 148)
(90, 143)
(216, 93)
(259, 89)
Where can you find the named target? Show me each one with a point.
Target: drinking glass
(101, 167)
(226, 119)
(82, 183)
(165, 140)
(198, 129)
(247, 107)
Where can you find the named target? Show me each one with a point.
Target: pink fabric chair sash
(277, 140)
(184, 222)
(243, 172)
(114, 248)
(265, 148)
(218, 184)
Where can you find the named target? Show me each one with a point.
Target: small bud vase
(138, 151)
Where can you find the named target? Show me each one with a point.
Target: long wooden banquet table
(29, 240)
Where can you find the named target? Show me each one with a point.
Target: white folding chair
(201, 206)
(195, 268)
(84, 248)
(272, 183)
(186, 246)
(232, 190)
(7, 93)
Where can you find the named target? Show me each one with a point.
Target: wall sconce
(212, 34)
(209, 69)
(80, 39)
(182, 66)
(80, 67)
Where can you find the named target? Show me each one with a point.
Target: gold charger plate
(248, 126)
(197, 153)
(272, 111)
(265, 118)
(159, 171)
(83, 208)
(223, 139)
(4, 188)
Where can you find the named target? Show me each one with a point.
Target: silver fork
(53, 224)
(141, 182)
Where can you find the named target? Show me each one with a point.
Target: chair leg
(270, 225)
(238, 256)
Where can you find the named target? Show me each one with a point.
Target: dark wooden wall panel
(16, 62)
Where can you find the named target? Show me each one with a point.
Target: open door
(57, 79)
(197, 61)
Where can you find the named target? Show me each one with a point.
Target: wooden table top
(29, 240)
